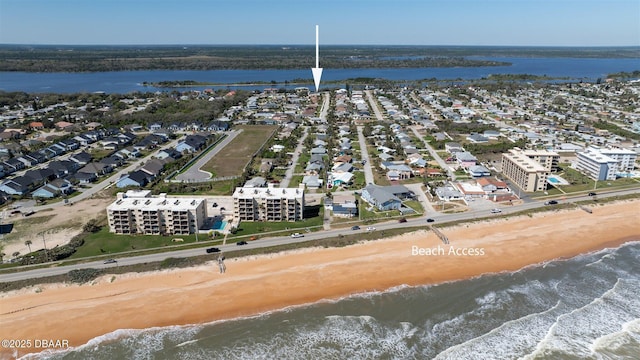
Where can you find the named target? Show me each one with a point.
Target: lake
(131, 81)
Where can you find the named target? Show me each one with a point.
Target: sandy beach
(78, 313)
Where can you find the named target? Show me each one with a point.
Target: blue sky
(396, 22)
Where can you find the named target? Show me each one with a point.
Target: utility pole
(46, 253)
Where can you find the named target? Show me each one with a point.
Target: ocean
(132, 81)
(586, 307)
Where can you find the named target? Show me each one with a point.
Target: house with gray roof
(381, 197)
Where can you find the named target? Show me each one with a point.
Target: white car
(297, 235)
(496, 211)
(371, 228)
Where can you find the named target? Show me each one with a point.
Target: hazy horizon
(546, 23)
(331, 45)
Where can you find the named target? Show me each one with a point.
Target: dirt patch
(231, 160)
(57, 226)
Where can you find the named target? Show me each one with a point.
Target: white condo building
(137, 212)
(268, 204)
(605, 164)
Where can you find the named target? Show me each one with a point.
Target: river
(132, 81)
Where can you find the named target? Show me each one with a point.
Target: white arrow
(317, 71)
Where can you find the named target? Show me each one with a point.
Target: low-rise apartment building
(137, 212)
(268, 204)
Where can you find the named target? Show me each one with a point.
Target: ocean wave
(581, 307)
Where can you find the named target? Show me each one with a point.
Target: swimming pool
(219, 225)
(556, 180)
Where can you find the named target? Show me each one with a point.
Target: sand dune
(262, 283)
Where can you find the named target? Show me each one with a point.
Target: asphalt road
(194, 173)
(267, 242)
(364, 154)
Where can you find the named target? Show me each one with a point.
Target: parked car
(356, 227)
(496, 211)
(296, 235)
(592, 194)
(110, 261)
(213, 250)
(430, 220)
(551, 202)
(402, 220)
(241, 243)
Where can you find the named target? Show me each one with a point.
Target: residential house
(192, 143)
(81, 158)
(340, 179)
(136, 178)
(344, 206)
(318, 150)
(155, 127)
(478, 171)
(153, 167)
(54, 188)
(453, 147)
(84, 178)
(62, 168)
(96, 168)
(385, 197)
(465, 159)
(312, 181)
(477, 138)
(168, 153)
(19, 185)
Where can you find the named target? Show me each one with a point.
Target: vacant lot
(231, 160)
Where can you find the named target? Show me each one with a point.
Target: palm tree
(16, 254)
(2, 255)
(28, 243)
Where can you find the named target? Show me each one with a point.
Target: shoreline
(261, 284)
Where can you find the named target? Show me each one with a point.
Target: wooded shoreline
(67, 58)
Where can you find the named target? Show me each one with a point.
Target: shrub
(81, 276)
(171, 262)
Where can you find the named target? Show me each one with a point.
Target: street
(281, 240)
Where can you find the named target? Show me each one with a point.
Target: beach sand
(256, 284)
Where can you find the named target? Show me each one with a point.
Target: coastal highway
(57, 269)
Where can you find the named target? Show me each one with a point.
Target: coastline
(259, 284)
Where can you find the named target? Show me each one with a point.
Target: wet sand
(256, 284)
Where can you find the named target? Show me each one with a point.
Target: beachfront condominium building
(268, 204)
(548, 159)
(605, 164)
(137, 212)
(525, 172)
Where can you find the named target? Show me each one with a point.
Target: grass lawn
(374, 214)
(415, 205)
(104, 243)
(295, 180)
(232, 159)
(224, 187)
(580, 182)
(358, 181)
